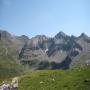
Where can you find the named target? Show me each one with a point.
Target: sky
(48, 17)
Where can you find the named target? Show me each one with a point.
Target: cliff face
(44, 52)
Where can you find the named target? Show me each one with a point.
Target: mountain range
(41, 52)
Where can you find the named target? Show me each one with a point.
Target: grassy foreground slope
(76, 79)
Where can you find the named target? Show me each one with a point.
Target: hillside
(75, 79)
(9, 66)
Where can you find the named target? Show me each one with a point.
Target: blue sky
(32, 17)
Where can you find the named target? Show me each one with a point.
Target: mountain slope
(56, 49)
(42, 52)
(9, 66)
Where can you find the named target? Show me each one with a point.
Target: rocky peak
(60, 35)
(83, 35)
(4, 35)
(22, 38)
(38, 41)
(40, 37)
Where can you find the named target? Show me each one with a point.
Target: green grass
(76, 79)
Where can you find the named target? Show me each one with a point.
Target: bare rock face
(42, 52)
(12, 43)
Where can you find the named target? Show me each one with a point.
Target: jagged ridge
(43, 52)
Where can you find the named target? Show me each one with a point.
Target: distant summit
(4, 35)
(83, 35)
(60, 35)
